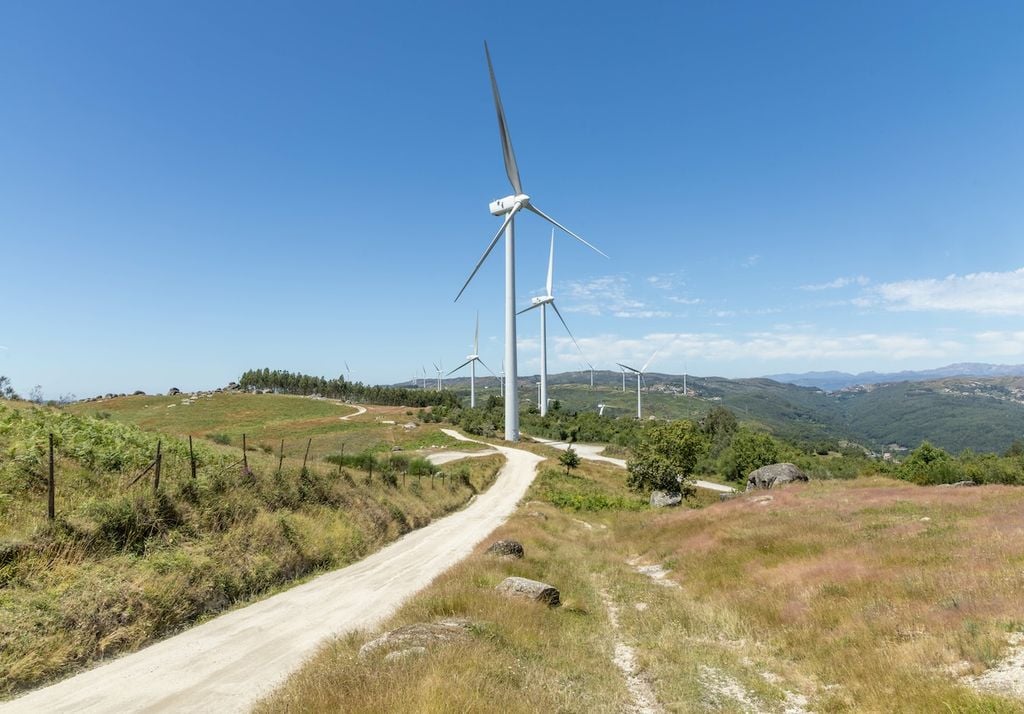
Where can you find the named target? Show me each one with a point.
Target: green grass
(121, 565)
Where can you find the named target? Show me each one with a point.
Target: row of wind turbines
(509, 207)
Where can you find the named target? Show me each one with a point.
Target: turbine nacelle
(542, 300)
(503, 205)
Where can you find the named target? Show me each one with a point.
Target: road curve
(592, 452)
(227, 664)
(359, 410)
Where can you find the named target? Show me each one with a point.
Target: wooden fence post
(280, 457)
(191, 457)
(245, 458)
(156, 472)
(51, 511)
(306, 457)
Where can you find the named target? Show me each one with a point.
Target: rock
(530, 590)
(664, 499)
(396, 448)
(727, 496)
(774, 475)
(173, 392)
(959, 484)
(402, 654)
(537, 514)
(506, 549)
(416, 638)
(137, 393)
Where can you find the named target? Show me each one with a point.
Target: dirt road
(227, 664)
(592, 452)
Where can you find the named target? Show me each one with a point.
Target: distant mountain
(834, 381)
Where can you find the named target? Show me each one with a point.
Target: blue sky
(189, 189)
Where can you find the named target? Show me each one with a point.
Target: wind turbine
(600, 409)
(623, 378)
(501, 381)
(542, 302)
(424, 369)
(639, 376)
(509, 206)
(471, 360)
(439, 366)
(348, 372)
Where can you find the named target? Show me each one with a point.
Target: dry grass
(852, 596)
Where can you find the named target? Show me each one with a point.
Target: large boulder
(774, 475)
(530, 590)
(506, 549)
(416, 638)
(664, 499)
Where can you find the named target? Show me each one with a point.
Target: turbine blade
(648, 362)
(567, 329)
(506, 140)
(476, 335)
(527, 309)
(487, 252)
(626, 366)
(436, 368)
(551, 261)
(555, 223)
(458, 368)
(485, 366)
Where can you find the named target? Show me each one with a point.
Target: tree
(748, 450)
(569, 459)
(664, 457)
(6, 390)
(36, 394)
(928, 464)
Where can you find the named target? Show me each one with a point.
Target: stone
(959, 484)
(774, 475)
(506, 549)
(664, 499)
(402, 654)
(530, 590)
(416, 638)
(537, 514)
(727, 496)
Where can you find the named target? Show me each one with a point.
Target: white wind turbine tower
(639, 377)
(471, 360)
(508, 207)
(601, 408)
(542, 302)
(424, 369)
(439, 366)
(623, 378)
(501, 381)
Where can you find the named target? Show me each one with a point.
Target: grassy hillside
(838, 596)
(124, 564)
(954, 413)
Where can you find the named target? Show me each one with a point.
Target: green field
(124, 562)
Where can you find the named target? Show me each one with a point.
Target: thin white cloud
(984, 293)
(768, 346)
(837, 283)
(684, 300)
(751, 261)
(1004, 343)
(607, 295)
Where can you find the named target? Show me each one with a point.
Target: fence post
(245, 458)
(51, 511)
(156, 472)
(306, 457)
(280, 457)
(191, 457)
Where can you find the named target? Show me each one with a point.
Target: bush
(665, 455)
(222, 439)
(747, 452)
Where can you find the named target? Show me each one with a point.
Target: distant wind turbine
(600, 409)
(509, 206)
(639, 377)
(439, 366)
(471, 360)
(542, 302)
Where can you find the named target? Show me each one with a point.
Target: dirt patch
(1008, 676)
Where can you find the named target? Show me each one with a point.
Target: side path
(229, 663)
(592, 452)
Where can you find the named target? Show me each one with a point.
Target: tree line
(339, 388)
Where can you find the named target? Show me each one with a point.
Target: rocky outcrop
(530, 590)
(416, 638)
(774, 475)
(664, 499)
(506, 549)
